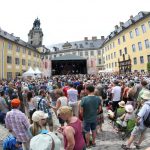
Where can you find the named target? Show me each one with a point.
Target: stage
(69, 64)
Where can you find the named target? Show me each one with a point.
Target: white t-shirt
(72, 95)
(117, 93)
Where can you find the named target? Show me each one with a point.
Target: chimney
(86, 38)
(121, 24)
(94, 38)
(131, 17)
(102, 37)
(116, 27)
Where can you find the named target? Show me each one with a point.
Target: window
(115, 64)
(91, 45)
(140, 46)
(54, 56)
(9, 75)
(110, 46)
(113, 45)
(24, 50)
(143, 28)
(102, 51)
(149, 24)
(133, 48)
(137, 32)
(99, 52)
(23, 62)
(124, 39)
(9, 59)
(17, 61)
(10, 46)
(120, 51)
(73, 53)
(92, 53)
(17, 48)
(99, 61)
(147, 43)
(108, 57)
(111, 55)
(29, 63)
(125, 50)
(141, 59)
(86, 53)
(135, 60)
(81, 46)
(119, 41)
(112, 65)
(34, 54)
(60, 54)
(17, 74)
(114, 54)
(148, 58)
(29, 52)
(81, 53)
(131, 34)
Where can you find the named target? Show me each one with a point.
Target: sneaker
(137, 146)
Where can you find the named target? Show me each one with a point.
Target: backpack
(104, 93)
(10, 143)
(48, 141)
(147, 120)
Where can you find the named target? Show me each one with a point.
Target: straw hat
(129, 108)
(146, 95)
(39, 115)
(122, 104)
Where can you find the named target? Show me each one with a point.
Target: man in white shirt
(116, 95)
(73, 99)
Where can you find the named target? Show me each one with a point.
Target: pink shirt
(78, 136)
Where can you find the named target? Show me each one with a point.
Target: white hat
(38, 115)
(129, 108)
(25, 88)
(146, 95)
(122, 104)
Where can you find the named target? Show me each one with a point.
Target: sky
(67, 20)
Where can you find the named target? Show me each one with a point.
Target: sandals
(125, 147)
(137, 146)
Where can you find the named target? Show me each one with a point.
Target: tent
(37, 71)
(30, 72)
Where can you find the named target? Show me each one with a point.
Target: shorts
(138, 131)
(89, 126)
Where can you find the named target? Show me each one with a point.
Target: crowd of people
(68, 110)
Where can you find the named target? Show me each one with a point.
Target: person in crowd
(66, 88)
(116, 95)
(128, 115)
(39, 124)
(131, 94)
(4, 108)
(141, 126)
(73, 99)
(44, 105)
(17, 123)
(100, 116)
(31, 105)
(73, 137)
(61, 101)
(90, 106)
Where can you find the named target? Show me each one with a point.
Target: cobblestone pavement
(106, 140)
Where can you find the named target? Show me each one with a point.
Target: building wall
(9, 48)
(111, 62)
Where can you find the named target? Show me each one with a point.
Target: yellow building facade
(132, 39)
(16, 56)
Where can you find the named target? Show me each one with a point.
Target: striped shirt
(19, 124)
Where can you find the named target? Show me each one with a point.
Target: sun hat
(129, 108)
(39, 115)
(122, 104)
(15, 103)
(146, 95)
